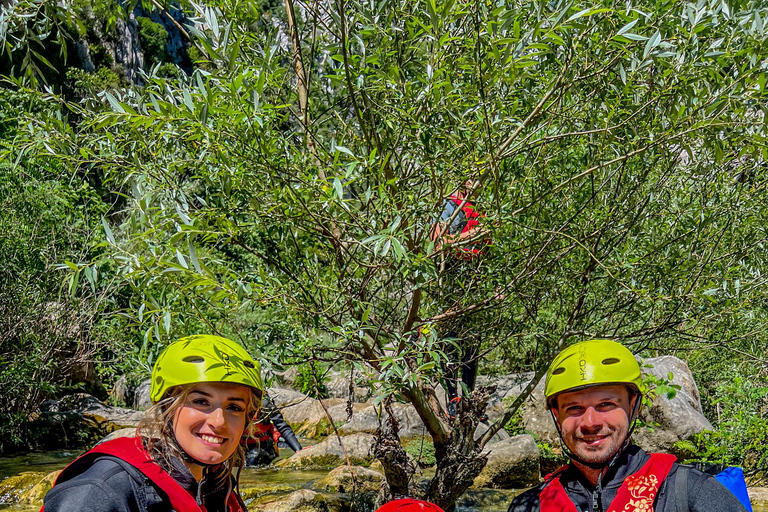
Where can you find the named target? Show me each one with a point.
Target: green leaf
(107, 231)
(652, 43)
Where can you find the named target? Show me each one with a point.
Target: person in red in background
(269, 427)
(461, 236)
(409, 505)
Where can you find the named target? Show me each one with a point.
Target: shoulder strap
(681, 488)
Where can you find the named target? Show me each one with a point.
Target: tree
(621, 152)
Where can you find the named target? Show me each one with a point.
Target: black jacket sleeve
(285, 430)
(280, 424)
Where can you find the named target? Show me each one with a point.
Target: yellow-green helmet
(204, 358)
(588, 363)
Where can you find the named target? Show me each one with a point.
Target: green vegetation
(741, 415)
(621, 154)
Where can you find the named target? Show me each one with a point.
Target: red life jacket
(264, 433)
(637, 492)
(132, 451)
(473, 250)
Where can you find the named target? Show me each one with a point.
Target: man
(593, 393)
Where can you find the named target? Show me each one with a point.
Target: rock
(328, 453)
(340, 480)
(672, 420)
(103, 417)
(19, 488)
(303, 500)
(307, 417)
(512, 464)
(367, 421)
(287, 379)
(123, 432)
(499, 436)
(38, 491)
(258, 491)
(337, 386)
(121, 393)
(281, 397)
(141, 401)
(507, 389)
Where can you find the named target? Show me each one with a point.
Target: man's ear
(553, 410)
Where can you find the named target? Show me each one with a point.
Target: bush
(423, 452)
(741, 437)
(152, 37)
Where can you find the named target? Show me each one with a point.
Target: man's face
(594, 421)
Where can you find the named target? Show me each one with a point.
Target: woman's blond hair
(156, 432)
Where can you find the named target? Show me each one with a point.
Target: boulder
(257, 491)
(80, 419)
(499, 436)
(303, 500)
(103, 417)
(672, 420)
(17, 488)
(38, 491)
(367, 421)
(307, 417)
(141, 401)
(281, 397)
(341, 480)
(328, 453)
(121, 392)
(337, 386)
(123, 432)
(512, 464)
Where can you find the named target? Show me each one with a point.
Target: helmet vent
(193, 359)
(558, 371)
(611, 360)
(248, 364)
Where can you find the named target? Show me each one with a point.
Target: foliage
(741, 438)
(152, 37)
(620, 150)
(305, 382)
(423, 451)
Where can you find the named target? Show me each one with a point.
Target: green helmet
(204, 358)
(589, 363)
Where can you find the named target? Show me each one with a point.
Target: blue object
(733, 480)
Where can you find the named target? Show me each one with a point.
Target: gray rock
(671, 420)
(141, 401)
(341, 480)
(328, 453)
(121, 393)
(367, 421)
(282, 396)
(94, 412)
(498, 437)
(123, 432)
(307, 417)
(303, 500)
(337, 385)
(512, 464)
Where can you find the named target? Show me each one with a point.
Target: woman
(187, 454)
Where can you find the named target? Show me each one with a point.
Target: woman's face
(208, 427)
